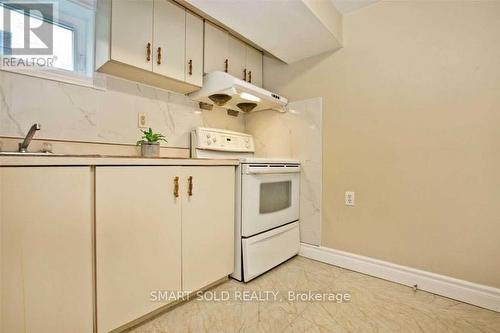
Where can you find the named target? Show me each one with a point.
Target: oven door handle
(252, 170)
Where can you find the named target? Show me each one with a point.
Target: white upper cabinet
(132, 33)
(169, 32)
(237, 58)
(150, 41)
(216, 48)
(254, 66)
(160, 43)
(194, 49)
(227, 53)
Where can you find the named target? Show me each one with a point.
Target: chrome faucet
(23, 147)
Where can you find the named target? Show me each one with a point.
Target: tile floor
(376, 306)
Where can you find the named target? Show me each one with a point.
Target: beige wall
(412, 125)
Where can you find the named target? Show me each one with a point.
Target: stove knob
(247, 146)
(214, 139)
(209, 142)
(208, 135)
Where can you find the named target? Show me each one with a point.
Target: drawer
(269, 249)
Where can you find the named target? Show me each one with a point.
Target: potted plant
(150, 143)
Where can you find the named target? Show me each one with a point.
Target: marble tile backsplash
(296, 134)
(76, 113)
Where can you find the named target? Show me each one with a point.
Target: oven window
(275, 196)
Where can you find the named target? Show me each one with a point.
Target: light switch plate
(349, 198)
(142, 120)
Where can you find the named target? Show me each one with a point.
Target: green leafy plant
(151, 137)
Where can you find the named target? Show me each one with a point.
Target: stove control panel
(221, 140)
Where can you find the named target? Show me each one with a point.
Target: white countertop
(99, 160)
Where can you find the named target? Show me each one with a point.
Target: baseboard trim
(464, 291)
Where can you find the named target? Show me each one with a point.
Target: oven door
(270, 196)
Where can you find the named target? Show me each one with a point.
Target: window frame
(74, 77)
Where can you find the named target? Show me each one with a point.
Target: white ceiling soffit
(290, 30)
(347, 6)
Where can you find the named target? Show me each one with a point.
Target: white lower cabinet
(138, 244)
(159, 229)
(207, 226)
(46, 250)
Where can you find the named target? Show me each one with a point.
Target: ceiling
(347, 6)
(290, 30)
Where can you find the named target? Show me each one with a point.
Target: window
(47, 38)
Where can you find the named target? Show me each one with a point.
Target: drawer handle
(190, 66)
(250, 76)
(226, 65)
(148, 52)
(245, 74)
(176, 187)
(190, 187)
(159, 56)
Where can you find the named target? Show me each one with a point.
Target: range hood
(224, 90)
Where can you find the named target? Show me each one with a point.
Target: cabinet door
(194, 49)
(254, 66)
(169, 39)
(138, 243)
(237, 58)
(132, 32)
(46, 250)
(207, 225)
(216, 48)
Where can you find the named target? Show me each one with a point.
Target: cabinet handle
(245, 74)
(250, 76)
(148, 52)
(226, 65)
(176, 187)
(159, 56)
(190, 187)
(190, 66)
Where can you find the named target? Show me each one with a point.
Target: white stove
(268, 160)
(267, 201)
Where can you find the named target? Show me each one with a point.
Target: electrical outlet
(349, 198)
(142, 120)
